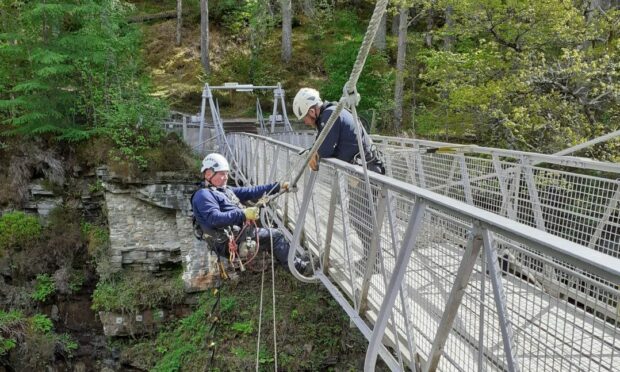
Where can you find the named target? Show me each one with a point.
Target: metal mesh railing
(560, 198)
(458, 287)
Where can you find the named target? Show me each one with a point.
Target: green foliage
(135, 291)
(376, 81)
(531, 75)
(44, 288)
(12, 326)
(33, 337)
(69, 70)
(187, 341)
(228, 330)
(6, 344)
(41, 323)
(76, 280)
(246, 327)
(67, 344)
(18, 230)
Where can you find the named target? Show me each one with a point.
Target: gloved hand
(314, 162)
(287, 187)
(251, 213)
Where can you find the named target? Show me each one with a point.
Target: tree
(520, 77)
(379, 41)
(69, 71)
(204, 35)
(287, 15)
(400, 68)
(179, 20)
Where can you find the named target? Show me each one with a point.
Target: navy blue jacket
(213, 209)
(340, 142)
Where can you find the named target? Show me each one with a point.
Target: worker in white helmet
(341, 141)
(217, 207)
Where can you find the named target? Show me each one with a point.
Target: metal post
(503, 189)
(372, 255)
(402, 261)
(534, 199)
(330, 224)
(391, 206)
(500, 301)
(299, 225)
(605, 218)
(457, 292)
(483, 279)
(465, 177)
(206, 93)
(287, 123)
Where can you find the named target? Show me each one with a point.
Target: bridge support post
(500, 301)
(454, 300)
(402, 261)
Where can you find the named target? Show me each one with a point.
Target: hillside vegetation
(84, 84)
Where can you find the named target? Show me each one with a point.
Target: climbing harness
(240, 251)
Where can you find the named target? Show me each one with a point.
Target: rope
(273, 304)
(260, 313)
(349, 92)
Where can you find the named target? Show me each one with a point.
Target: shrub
(135, 291)
(12, 326)
(18, 231)
(44, 288)
(41, 323)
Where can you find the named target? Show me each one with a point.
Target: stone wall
(151, 226)
(144, 235)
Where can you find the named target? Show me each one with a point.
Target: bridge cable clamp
(351, 97)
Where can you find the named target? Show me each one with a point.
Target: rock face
(148, 321)
(150, 225)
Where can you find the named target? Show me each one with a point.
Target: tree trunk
(287, 17)
(179, 20)
(400, 69)
(204, 35)
(448, 41)
(395, 25)
(380, 37)
(307, 7)
(430, 23)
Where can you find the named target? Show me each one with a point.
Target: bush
(44, 288)
(41, 323)
(135, 291)
(375, 82)
(18, 231)
(12, 325)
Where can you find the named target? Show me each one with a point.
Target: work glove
(284, 186)
(251, 213)
(314, 162)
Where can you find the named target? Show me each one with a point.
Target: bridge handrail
(532, 273)
(596, 262)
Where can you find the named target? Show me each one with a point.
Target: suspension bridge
(470, 259)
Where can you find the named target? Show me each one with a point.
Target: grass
(313, 333)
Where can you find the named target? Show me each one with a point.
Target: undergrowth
(313, 332)
(136, 291)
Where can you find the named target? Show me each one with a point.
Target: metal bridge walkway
(483, 260)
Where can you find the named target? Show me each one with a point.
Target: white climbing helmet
(305, 98)
(215, 162)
